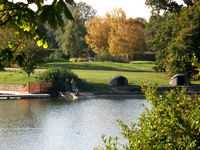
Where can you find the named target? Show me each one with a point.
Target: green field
(97, 74)
(132, 66)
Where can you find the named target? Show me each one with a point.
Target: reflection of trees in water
(30, 110)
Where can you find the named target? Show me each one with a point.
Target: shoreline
(120, 92)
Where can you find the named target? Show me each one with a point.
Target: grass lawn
(98, 74)
(132, 66)
(16, 77)
(100, 79)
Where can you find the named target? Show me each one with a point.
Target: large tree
(126, 36)
(98, 30)
(34, 56)
(116, 34)
(25, 22)
(72, 40)
(177, 37)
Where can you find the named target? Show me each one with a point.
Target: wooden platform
(16, 95)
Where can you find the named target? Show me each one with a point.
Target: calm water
(63, 124)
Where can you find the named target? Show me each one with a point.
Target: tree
(34, 57)
(171, 123)
(116, 34)
(98, 30)
(177, 39)
(25, 22)
(34, 54)
(166, 5)
(86, 11)
(72, 41)
(9, 56)
(126, 36)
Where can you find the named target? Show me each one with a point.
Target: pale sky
(132, 8)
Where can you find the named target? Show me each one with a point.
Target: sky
(132, 8)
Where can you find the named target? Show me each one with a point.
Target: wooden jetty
(17, 95)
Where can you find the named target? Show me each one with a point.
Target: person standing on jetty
(73, 85)
(67, 85)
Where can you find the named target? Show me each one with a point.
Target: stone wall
(11, 87)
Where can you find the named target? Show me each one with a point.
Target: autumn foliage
(116, 34)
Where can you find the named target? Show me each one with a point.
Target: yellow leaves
(2, 6)
(116, 33)
(125, 37)
(27, 28)
(98, 30)
(45, 46)
(41, 41)
(193, 64)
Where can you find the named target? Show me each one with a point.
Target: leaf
(59, 6)
(45, 46)
(2, 6)
(71, 2)
(59, 20)
(40, 42)
(67, 13)
(27, 28)
(52, 21)
(44, 14)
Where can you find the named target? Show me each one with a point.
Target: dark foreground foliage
(171, 123)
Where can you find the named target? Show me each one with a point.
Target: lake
(61, 124)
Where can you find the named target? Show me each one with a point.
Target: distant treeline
(146, 56)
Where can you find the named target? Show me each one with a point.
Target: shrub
(57, 77)
(173, 122)
(73, 59)
(106, 56)
(57, 54)
(78, 59)
(82, 59)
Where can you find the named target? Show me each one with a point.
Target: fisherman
(73, 85)
(67, 85)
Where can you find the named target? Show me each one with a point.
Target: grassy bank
(98, 74)
(100, 79)
(138, 66)
(16, 77)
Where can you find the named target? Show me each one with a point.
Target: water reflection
(63, 124)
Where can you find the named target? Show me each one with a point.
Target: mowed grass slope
(100, 79)
(98, 74)
(16, 77)
(132, 66)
